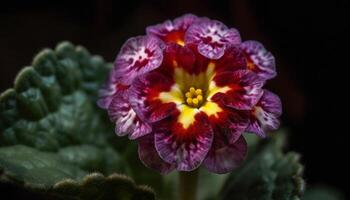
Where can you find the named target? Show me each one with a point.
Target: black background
(307, 38)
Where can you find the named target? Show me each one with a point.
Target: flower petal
(125, 118)
(233, 59)
(240, 90)
(211, 36)
(153, 97)
(149, 156)
(177, 56)
(137, 56)
(106, 95)
(271, 103)
(259, 59)
(186, 148)
(161, 30)
(185, 21)
(231, 123)
(175, 31)
(224, 157)
(108, 90)
(265, 114)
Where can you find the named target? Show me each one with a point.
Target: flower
(187, 91)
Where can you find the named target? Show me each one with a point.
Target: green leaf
(36, 169)
(95, 186)
(267, 174)
(51, 129)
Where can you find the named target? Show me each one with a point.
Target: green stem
(188, 185)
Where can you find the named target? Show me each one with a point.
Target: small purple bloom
(187, 91)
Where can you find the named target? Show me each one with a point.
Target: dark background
(307, 39)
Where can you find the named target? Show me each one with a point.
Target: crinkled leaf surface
(98, 187)
(52, 134)
(267, 174)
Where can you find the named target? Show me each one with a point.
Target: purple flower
(187, 91)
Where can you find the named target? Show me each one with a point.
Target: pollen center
(194, 97)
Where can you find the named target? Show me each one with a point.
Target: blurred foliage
(322, 193)
(267, 173)
(52, 134)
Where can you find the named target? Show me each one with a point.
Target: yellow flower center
(194, 97)
(188, 96)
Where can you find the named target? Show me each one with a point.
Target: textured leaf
(96, 186)
(34, 168)
(267, 174)
(51, 129)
